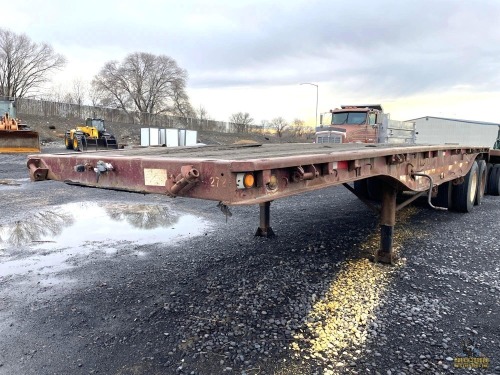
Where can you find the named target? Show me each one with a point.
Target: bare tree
(181, 106)
(25, 65)
(144, 83)
(203, 117)
(241, 121)
(55, 93)
(98, 98)
(202, 114)
(79, 92)
(298, 128)
(279, 125)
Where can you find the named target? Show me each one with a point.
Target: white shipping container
(154, 136)
(191, 138)
(144, 136)
(172, 139)
(182, 137)
(163, 136)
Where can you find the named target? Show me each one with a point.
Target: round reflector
(249, 180)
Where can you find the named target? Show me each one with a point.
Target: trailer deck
(279, 170)
(259, 174)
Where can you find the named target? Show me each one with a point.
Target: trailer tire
(481, 182)
(489, 168)
(464, 195)
(494, 181)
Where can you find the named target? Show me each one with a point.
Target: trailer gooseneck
(453, 176)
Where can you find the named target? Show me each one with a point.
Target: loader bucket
(101, 144)
(19, 141)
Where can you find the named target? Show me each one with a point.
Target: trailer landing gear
(264, 229)
(387, 221)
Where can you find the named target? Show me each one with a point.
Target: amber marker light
(245, 180)
(248, 180)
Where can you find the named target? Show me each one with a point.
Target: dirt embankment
(51, 129)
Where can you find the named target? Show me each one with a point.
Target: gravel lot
(185, 290)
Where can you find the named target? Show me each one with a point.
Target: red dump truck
(363, 124)
(450, 176)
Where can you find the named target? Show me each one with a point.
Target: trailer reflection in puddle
(52, 237)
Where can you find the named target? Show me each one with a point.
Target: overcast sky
(416, 58)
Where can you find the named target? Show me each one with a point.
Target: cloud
(381, 49)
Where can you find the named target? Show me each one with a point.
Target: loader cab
(7, 106)
(97, 123)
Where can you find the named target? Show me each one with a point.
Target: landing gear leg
(387, 222)
(264, 229)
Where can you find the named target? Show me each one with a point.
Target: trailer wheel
(489, 168)
(481, 182)
(464, 195)
(494, 181)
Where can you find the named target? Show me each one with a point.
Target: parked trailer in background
(439, 130)
(259, 174)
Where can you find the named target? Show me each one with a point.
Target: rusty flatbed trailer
(259, 174)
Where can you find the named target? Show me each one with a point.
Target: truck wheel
(481, 182)
(75, 143)
(464, 195)
(494, 181)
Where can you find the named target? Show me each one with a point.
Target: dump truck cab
(363, 124)
(350, 124)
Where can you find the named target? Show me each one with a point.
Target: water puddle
(53, 238)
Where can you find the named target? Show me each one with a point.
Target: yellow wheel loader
(14, 136)
(91, 136)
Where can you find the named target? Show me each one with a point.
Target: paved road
(95, 281)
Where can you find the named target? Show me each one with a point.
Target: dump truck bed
(278, 170)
